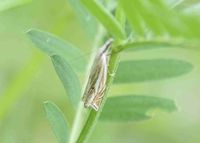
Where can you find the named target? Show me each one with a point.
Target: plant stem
(93, 115)
(78, 123)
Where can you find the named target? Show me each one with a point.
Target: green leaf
(106, 18)
(120, 16)
(153, 25)
(86, 19)
(57, 121)
(68, 77)
(134, 108)
(193, 9)
(133, 17)
(152, 44)
(148, 70)
(146, 21)
(52, 45)
(174, 3)
(7, 4)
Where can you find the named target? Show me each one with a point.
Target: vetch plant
(135, 25)
(8, 4)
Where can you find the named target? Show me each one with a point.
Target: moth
(96, 84)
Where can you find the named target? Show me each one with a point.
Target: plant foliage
(137, 24)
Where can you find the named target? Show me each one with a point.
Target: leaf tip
(30, 31)
(56, 59)
(54, 56)
(46, 102)
(174, 107)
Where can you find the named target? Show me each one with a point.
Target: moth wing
(92, 78)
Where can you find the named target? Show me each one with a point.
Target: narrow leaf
(134, 108)
(153, 25)
(120, 16)
(106, 18)
(52, 45)
(152, 44)
(57, 121)
(174, 3)
(133, 17)
(193, 9)
(86, 19)
(7, 4)
(68, 77)
(145, 19)
(148, 70)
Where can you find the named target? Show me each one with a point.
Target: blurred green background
(22, 118)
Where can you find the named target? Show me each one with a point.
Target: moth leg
(95, 107)
(88, 99)
(96, 104)
(98, 99)
(101, 93)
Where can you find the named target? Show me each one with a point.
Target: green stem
(93, 115)
(82, 113)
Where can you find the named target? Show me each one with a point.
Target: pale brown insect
(96, 84)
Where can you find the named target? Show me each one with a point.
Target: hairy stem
(92, 116)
